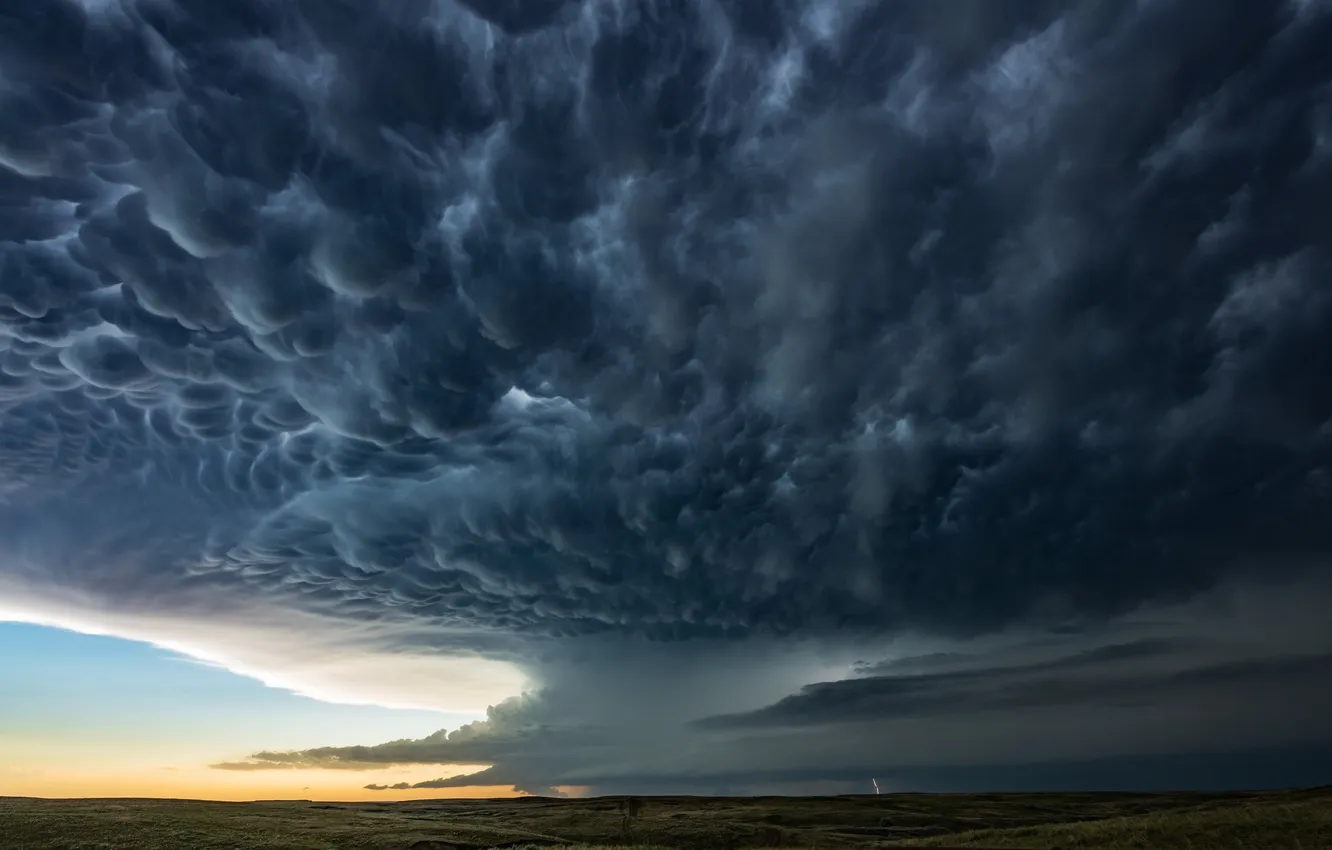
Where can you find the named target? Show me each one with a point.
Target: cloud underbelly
(502, 327)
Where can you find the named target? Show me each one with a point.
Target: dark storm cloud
(511, 322)
(510, 727)
(1070, 683)
(523, 726)
(1230, 770)
(839, 318)
(1034, 710)
(489, 776)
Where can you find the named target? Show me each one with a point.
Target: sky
(88, 715)
(479, 397)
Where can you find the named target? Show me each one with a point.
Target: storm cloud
(680, 336)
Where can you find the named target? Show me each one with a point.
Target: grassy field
(1300, 820)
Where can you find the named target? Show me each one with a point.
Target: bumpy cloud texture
(510, 325)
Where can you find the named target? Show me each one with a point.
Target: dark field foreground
(1262, 821)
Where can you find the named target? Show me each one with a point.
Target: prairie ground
(1299, 820)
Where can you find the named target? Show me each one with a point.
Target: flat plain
(1299, 820)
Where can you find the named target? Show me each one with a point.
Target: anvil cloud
(681, 353)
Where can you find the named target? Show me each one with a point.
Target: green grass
(1257, 821)
(1295, 821)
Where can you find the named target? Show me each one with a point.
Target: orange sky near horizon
(72, 788)
(94, 716)
(205, 783)
(242, 786)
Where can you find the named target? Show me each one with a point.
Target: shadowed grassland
(1293, 819)
(1297, 821)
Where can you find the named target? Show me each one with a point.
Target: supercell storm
(513, 321)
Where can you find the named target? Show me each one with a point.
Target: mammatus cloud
(575, 335)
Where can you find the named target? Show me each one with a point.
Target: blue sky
(91, 685)
(86, 702)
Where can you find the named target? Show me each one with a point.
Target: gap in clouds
(86, 715)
